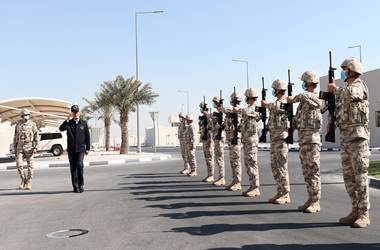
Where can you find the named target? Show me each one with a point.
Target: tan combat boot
(362, 221)
(193, 173)
(235, 187)
(220, 182)
(185, 172)
(251, 192)
(304, 206)
(28, 185)
(208, 179)
(282, 200)
(313, 208)
(349, 219)
(21, 186)
(271, 200)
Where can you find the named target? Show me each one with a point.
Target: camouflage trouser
(219, 156)
(279, 165)
(208, 148)
(235, 151)
(190, 152)
(184, 154)
(28, 154)
(310, 155)
(250, 160)
(355, 161)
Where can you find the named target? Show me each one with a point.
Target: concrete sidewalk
(93, 159)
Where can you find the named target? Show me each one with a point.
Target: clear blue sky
(65, 49)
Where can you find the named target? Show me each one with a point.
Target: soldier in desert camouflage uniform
(207, 141)
(25, 142)
(308, 123)
(190, 145)
(217, 127)
(182, 143)
(232, 123)
(250, 142)
(352, 114)
(278, 128)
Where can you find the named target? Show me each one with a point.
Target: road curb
(374, 182)
(65, 164)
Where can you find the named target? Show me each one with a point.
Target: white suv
(53, 143)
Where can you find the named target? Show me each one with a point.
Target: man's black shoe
(80, 190)
(75, 190)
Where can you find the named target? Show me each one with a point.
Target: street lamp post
(360, 50)
(137, 72)
(187, 98)
(247, 68)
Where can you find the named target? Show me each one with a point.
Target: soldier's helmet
(236, 96)
(181, 115)
(345, 62)
(216, 99)
(203, 105)
(25, 112)
(189, 117)
(309, 77)
(279, 85)
(251, 93)
(353, 64)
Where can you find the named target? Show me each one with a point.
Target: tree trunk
(124, 133)
(107, 126)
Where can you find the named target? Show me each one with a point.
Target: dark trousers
(76, 168)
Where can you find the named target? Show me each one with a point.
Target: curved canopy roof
(44, 111)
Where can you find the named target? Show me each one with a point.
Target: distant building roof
(45, 111)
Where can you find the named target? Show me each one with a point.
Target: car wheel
(56, 150)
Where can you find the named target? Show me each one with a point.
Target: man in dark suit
(78, 144)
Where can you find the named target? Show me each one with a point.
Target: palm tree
(102, 106)
(125, 94)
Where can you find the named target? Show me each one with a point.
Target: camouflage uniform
(250, 142)
(308, 122)
(190, 147)
(234, 147)
(278, 128)
(25, 141)
(182, 143)
(219, 141)
(208, 145)
(352, 118)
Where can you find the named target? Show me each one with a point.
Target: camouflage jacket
(26, 133)
(230, 129)
(308, 115)
(248, 126)
(352, 109)
(190, 135)
(181, 130)
(278, 121)
(215, 127)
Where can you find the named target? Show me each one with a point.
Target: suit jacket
(78, 136)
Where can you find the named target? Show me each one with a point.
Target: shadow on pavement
(343, 246)
(25, 193)
(178, 197)
(175, 191)
(197, 214)
(164, 186)
(205, 204)
(213, 229)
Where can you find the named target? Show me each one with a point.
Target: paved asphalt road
(150, 206)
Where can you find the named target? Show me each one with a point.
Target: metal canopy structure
(44, 111)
